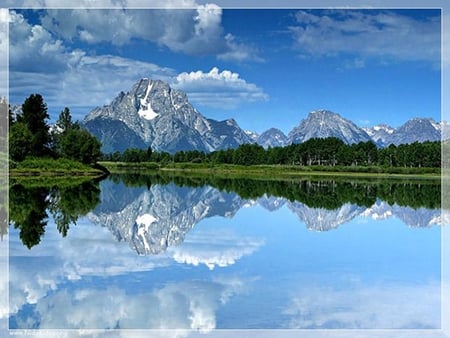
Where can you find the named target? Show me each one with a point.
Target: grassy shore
(53, 167)
(274, 171)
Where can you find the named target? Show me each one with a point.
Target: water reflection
(29, 207)
(156, 212)
(225, 254)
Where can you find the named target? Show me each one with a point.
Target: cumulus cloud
(223, 89)
(4, 309)
(80, 81)
(175, 306)
(367, 33)
(70, 77)
(4, 42)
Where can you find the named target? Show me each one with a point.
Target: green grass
(51, 167)
(275, 171)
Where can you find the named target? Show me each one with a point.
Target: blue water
(229, 263)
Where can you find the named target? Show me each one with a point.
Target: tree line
(329, 151)
(31, 136)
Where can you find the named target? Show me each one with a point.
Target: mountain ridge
(152, 114)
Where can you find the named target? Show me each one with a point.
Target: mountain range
(152, 114)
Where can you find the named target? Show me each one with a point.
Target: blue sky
(263, 67)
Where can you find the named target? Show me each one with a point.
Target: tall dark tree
(34, 116)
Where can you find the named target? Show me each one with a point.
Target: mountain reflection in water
(225, 253)
(154, 212)
(161, 211)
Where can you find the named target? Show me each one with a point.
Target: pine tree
(34, 116)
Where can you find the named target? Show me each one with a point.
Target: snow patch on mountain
(146, 110)
(162, 118)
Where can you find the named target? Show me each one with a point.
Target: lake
(170, 252)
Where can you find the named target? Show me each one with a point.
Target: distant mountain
(417, 129)
(272, 138)
(380, 134)
(156, 115)
(324, 123)
(413, 130)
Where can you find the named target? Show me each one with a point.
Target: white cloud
(33, 49)
(4, 309)
(60, 261)
(224, 89)
(41, 63)
(367, 33)
(192, 29)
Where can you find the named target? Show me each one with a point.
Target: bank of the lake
(48, 167)
(275, 171)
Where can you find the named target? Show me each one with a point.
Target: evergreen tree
(34, 116)
(78, 144)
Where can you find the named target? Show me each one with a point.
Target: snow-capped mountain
(272, 138)
(417, 129)
(413, 130)
(324, 123)
(380, 134)
(152, 114)
(156, 115)
(444, 129)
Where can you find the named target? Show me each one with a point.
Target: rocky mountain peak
(156, 115)
(272, 137)
(324, 123)
(152, 114)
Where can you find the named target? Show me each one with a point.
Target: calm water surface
(145, 252)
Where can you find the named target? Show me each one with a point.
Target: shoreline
(273, 172)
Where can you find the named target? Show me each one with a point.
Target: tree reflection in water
(29, 207)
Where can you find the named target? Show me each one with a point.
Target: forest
(329, 152)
